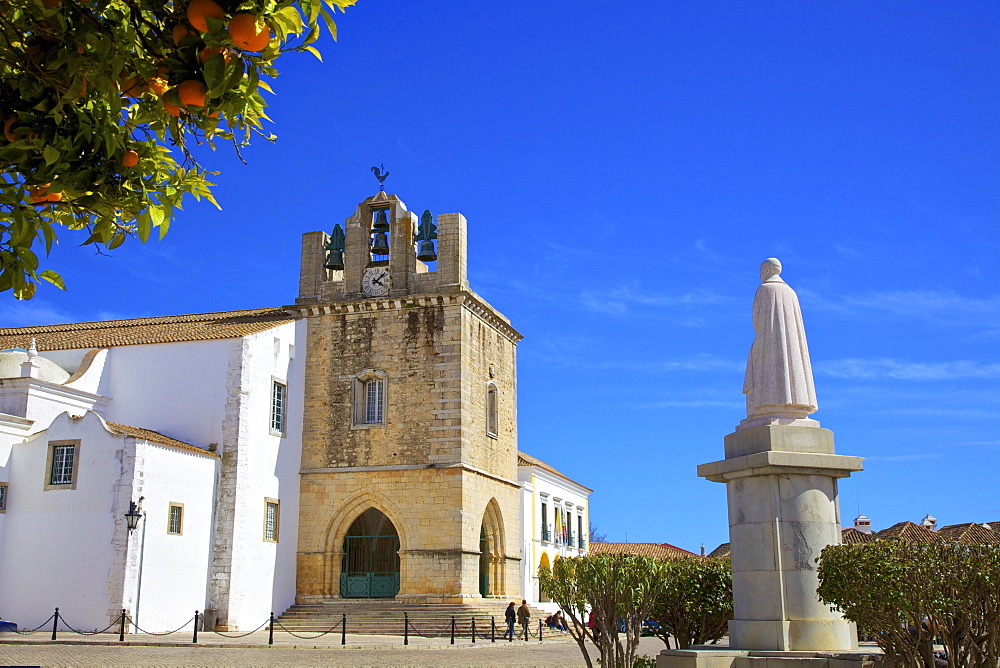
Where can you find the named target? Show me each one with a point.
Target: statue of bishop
(779, 381)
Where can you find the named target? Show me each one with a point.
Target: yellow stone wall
(430, 466)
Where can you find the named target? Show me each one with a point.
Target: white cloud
(885, 367)
(619, 300)
(945, 307)
(697, 403)
(905, 458)
(963, 413)
(31, 313)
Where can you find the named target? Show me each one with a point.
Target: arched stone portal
(370, 566)
(492, 555)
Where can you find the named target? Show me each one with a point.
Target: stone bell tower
(409, 454)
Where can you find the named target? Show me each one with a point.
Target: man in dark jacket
(511, 616)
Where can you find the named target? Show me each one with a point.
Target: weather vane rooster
(381, 175)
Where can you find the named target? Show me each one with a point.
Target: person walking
(510, 615)
(524, 617)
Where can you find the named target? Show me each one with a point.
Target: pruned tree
(102, 100)
(904, 595)
(696, 601)
(617, 589)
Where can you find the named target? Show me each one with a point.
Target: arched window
(369, 398)
(492, 410)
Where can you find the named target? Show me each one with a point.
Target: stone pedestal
(783, 510)
(705, 657)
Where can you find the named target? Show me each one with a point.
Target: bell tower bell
(383, 250)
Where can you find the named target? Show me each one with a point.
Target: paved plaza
(105, 650)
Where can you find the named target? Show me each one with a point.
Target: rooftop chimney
(863, 524)
(930, 522)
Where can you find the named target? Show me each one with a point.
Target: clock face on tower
(375, 282)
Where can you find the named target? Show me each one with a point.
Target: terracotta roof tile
(524, 459)
(723, 550)
(970, 532)
(851, 536)
(907, 532)
(163, 329)
(659, 550)
(156, 437)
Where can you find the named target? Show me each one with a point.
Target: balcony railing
(569, 538)
(546, 534)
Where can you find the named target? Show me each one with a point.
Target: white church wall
(13, 430)
(175, 566)
(287, 468)
(270, 470)
(59, 543)
(177, 389)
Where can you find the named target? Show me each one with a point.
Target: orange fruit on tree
(191, 93)
(248, 33)
(209, 51)
(130, 159)
(133, 86)
(179, 32)
(199, 10)
(172, 109)
(8, 129)
(51, 3)
(158, 85)
(41, 195)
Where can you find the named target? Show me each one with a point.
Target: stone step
(386, 617)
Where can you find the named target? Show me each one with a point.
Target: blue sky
(625, 167)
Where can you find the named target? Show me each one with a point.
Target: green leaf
(53, 278)
(314, 52)
(51, 154)
(331, 25)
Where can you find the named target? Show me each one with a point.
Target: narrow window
(63, 458)
(271, 520)
(3, 497)
(368, 398)
(491, 410)
(374, 400)
(545, 522)
(278, 394)
(175, 519)
(579, 531)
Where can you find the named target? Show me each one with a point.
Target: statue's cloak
(779, 374)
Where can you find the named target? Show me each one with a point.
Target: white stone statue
(779, 381)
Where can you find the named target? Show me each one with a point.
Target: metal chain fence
(474, 630)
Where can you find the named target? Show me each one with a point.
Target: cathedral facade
(359, 443)
(409, 446)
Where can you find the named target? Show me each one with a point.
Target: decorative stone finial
(29, 367)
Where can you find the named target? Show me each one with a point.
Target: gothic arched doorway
(484, 564)
(491, 552)
(371, 558)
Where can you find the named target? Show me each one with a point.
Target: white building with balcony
(554, 522)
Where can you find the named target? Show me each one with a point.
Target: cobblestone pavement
(554, 653)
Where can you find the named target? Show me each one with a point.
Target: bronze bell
(425, 251)
(381, 221)
(334, 259)
(381, 245)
